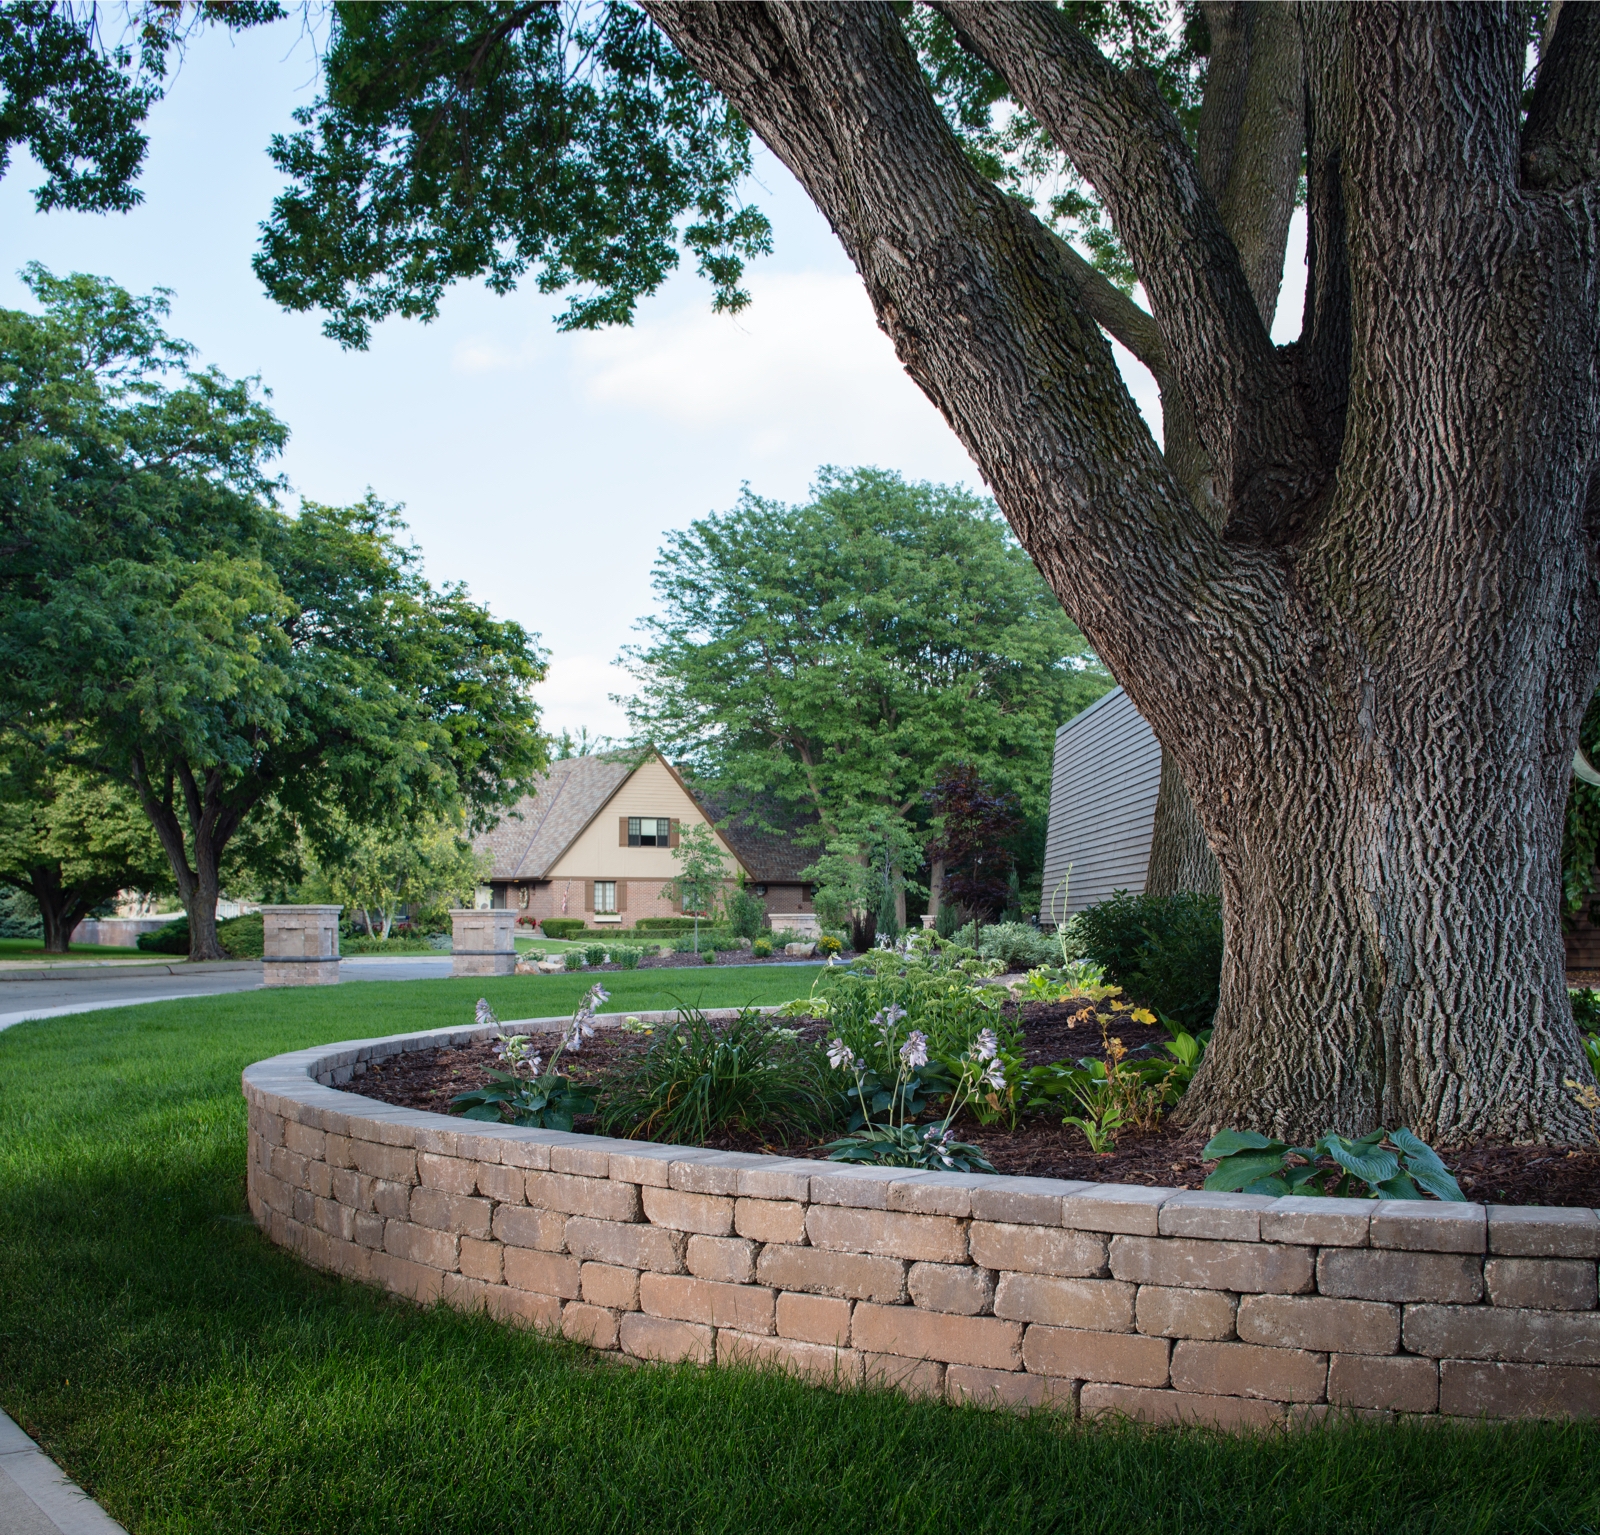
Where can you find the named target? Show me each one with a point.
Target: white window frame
(605, 897)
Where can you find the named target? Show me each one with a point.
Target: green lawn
(196, 1379)
(33, 948)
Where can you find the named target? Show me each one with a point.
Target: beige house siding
(596, 853)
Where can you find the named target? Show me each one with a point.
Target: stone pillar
(483, 942)
(302, 945)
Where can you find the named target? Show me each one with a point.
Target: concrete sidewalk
(36, 1499)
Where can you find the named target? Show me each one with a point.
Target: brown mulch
(1166, 1157)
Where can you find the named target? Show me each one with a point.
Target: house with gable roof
(594, 841)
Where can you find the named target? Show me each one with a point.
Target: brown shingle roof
(541, 826)
(771, 858)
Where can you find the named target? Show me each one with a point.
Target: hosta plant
(926, 1146)
(1383, 1164)
(531, 1093)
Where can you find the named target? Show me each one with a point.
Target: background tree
(837, 654)
(1392, 568)
(703, 871)
(973, 824)
(184, 637)
(860, 880)
(71, 840)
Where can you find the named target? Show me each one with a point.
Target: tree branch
(1117, 314)
(1125, 140)
(1561, 138)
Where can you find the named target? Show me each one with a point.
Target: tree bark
(1371, 673)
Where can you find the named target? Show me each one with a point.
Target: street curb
(61, 1504)
(119, 970)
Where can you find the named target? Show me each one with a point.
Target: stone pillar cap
(304, 911)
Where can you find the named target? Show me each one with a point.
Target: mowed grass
(33, 948)
(194, 1378)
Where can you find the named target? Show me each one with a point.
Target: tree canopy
(840, 653)
(164, 624)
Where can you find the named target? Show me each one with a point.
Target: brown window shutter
(672, 840)
(622, 895)
(622, 831)
(588, 895)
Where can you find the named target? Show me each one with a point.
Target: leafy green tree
(860, 880)
(841, 653)
(426, 866)
(71, 840)
(184, 637)
(702, 873)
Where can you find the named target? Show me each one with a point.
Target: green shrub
(948, 922)
(709, 956)
(710, 938)
(572, 960)
(241, 937)
(1384, 1164)
(562, 927)
(699, 1078)
(666, 926)
(762, 948)
(1017, 945)
(745, 913)
(1586, 1008)
(594, 954)
(626, 955)
(828, 945)
(1165, 950)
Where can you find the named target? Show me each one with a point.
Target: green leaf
(1226, 1142)
(1236, 1171)
(484, 1111)
(1273, 1186)
(1416, 1152)
(1371, 1167)
(1397, 1187)
(1440, 1184)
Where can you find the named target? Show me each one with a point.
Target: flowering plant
(899, 1141)
(531, 1093)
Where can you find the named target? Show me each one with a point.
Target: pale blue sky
(542, 469)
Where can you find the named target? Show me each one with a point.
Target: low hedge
(241, 937)
(562, 927)
(669, 927)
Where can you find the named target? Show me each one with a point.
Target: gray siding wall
(1102, 805)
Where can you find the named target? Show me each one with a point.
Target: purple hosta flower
(988, 1046)
(887, 1019)
(485, 1014)
(597, 995)
(995, 1076)
(914, 1052)
(840, 1056)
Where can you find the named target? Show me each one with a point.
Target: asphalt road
(53, 996)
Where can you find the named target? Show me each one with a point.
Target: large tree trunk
(1180, 856)
(1370, 668)
(61, 906)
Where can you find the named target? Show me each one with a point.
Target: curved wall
(1161, 1304)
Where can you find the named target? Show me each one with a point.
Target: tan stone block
(400, 1276)
(353, 1261)
(934, 1193)
(647, 1165)
(530, 1156)
(1401, 1384)
(319, 1179)
(450, 1212)
(709, 1214)
(823, 1364)
(543, 1273)
(303, 1139)
(1213, 1217)
(597, 1198)
(1427, 1226)
(604, 1284)
(1246, 1369)
(851, 1276)
(396, 1164)
(1361, 1274)
(339, 1151)
(914, 1334)
(1010, 1389)
(1165, 1312)
(1128, 1359)
(922, 1379)
(336, 1220)
(770, 1220)
(1318, 1323)
(814, 1319)
(347, 1187)
(863, 1188)
(507, 1185)
(589, 1324)
(1098, 1305)
(1184, 1262)
(626, 1245)
(582, 1161)
(1534, 1231)
(369, 1229)
(707, 1172)
(1314, 1221)
(274, 1193)
(518, 1226)
(887, 1234)
(1116, 1207)
(654, 1337)
(1239, 1414)
(745, 1308)
(1023, 1201)
(436, 1249)
(959, 1289)
(286, 1166)
(523, 1308)
(1036, 1249)
(450, 1174)
(1468, 1389)
(1492, 1332)
(391, 1200)
(1540, 1284)
(785, 1179)
(729, 1260)
(482, 1260)
(305, 1205)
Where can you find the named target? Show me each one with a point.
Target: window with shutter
(672, 841)
(622, 831)
(622, 895)
(588, 895)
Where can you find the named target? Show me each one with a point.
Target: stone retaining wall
(1162, 1304)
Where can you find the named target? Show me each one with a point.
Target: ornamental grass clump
(531, 1093)
(699, 1079)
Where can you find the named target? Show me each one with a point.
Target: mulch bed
(1490, 1173)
